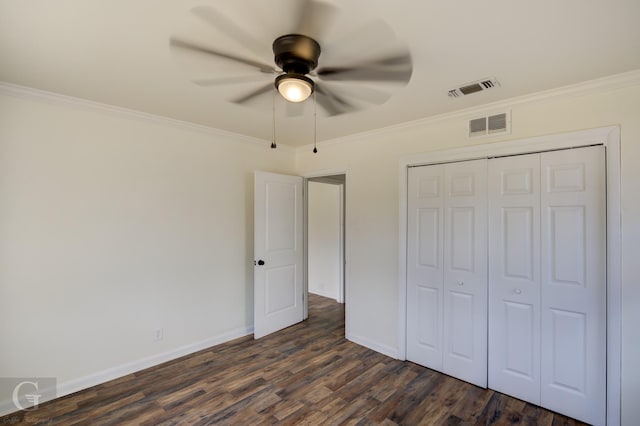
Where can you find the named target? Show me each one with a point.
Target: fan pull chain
(315, 122)
(273, 110)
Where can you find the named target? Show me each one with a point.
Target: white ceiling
(117, 52)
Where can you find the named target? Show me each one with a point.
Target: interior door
(573, 298)
(547, 321)
(447, 269)
(465, 271)
(278, 252)
(514, 274)
(425, 266)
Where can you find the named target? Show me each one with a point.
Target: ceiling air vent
(489, 125)
(474, 87)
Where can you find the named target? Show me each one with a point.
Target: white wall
(372, 165)
(324, 239)
(113, 225)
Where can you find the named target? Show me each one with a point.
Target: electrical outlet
(158, 334)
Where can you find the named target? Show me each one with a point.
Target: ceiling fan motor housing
(296, 53)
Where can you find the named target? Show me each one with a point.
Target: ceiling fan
(296, 61)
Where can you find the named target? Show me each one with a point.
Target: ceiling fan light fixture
(294, 87)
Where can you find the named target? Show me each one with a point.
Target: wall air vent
(489, 125)
(474, 87)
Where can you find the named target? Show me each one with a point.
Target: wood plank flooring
(307, 374)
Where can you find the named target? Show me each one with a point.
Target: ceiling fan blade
(365, 94)
(356, 41)
(187, 45)
(216, 81)
(214, 18)
(395, 68)
(251, 95)
(366, 74)
(332, 102)
(314, 18)
(398, 60)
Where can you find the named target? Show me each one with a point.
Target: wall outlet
(158, 334)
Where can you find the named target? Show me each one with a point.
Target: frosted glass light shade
(294, 87)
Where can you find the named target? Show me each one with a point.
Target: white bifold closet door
(547, 274)
(447, 269)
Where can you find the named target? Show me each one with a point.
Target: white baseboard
(99, 377)
(375, 346)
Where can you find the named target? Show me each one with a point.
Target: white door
(425, 270)
(278, 251)
(573, 298)
(465, 271)
(514, 276)
(547, 293)
(446, 269)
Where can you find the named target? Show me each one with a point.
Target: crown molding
(25, 92)
(608, 83)
(612, 82)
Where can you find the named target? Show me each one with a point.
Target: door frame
(343, 247)
(609, 137)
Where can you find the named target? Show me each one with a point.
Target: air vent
(478, 126)
(474, 87)
(488, 125)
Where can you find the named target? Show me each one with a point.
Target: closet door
(465, 271)
(547, 274)
(425, 223)
(514, 276)
(446, 269)
(573, 314)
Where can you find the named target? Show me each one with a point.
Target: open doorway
(325, 258)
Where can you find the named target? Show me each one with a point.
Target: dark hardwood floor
(307, 374)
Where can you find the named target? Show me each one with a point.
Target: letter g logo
(32, 398)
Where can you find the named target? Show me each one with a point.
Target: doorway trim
(609, 137)
(343, 249)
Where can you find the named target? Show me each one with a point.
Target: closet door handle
(517, 291)
(460, 283)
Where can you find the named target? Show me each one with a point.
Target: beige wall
(323, 236)
(111, 226)
(372, 164)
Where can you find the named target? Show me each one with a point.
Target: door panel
(465, 271)
(424, 266)
(520, 331)
(429, 318)
(568, 338)
(460, 342)
(517, 229)
(566, 242)
(278, 288)
(573, 304)
(281, 208)
(428, 230)
(462, 232)
(514, 276)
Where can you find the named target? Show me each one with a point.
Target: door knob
(260, 262)
(460, 282)
(517, 291)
